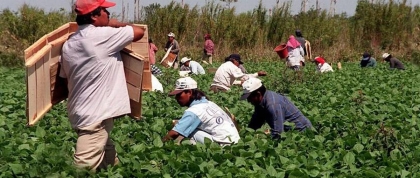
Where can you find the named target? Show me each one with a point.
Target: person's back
(367, 60)
(290, 112)
(301, 40)
(224, 77)
(215, 122)
(196, 68)
(394, 63)
(92, 65)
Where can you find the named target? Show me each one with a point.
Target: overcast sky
(347, 6)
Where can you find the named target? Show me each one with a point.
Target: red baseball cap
(85, 6)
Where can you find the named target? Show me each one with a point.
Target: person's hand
(115, 23)
(262, 73)
(267, 131)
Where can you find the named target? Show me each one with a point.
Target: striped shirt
(275, 109)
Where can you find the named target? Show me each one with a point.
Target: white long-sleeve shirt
(295, 56)
(324, 68)
(227, 73)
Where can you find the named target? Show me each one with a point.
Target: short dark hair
(86, 18)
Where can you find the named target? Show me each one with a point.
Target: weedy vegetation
(366, 120)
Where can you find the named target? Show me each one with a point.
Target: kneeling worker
(273, 108)
(192, 66)
(202, 119)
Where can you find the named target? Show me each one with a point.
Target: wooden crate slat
(31, 93)
(47, 80)
(133, 78)
(135, 109)
(133, 92)
(147, 81)
(40, 82)
(58, 33)
(38, 56)
(38, 45)
(141, 48)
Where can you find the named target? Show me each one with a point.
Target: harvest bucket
(281, 50)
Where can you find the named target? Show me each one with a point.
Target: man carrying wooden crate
(92, 64)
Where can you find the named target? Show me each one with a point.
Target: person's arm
(154, 48)
(391, 64)
(277, 119)
(185, 126)
(137, 30)
(256, 121)
(194, 69)
(175, 48)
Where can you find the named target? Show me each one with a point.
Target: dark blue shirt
(275, 109)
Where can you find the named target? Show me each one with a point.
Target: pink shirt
(209, 46)
(152, 53)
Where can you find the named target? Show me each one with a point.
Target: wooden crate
(45, 89)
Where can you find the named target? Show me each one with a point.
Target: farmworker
(208, 48)
(394, 63)
(321, 65)
(273, 108)
(175, 48)
(202, 119)
(152, 52)
(229, 71)
(295, 59)
(241, 66)
(367, 60)
(192, 66)
(92, 64)
(301, 40)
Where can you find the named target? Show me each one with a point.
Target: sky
(347, 6)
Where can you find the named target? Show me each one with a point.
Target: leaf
(313, 173)
(157, 141)
(404, 173)
(24, 147)
(271, 171)
(258, 155)
(349, 158)
(358, 147)
(40, 132)
(16, 168)
(240, 161)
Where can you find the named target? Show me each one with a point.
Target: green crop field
(366, 123)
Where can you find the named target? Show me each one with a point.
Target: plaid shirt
(155, 70)
(275, 109)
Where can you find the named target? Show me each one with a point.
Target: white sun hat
(249, 86)
(385, 55)
(171, 34)
(186, 83)
(185, 59)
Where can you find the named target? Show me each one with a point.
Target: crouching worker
(203, 118)
(322, 66)
(191, 66)
(273, 108)
(228, 72)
